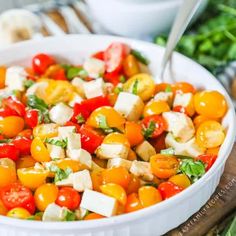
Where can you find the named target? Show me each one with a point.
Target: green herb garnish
(168, 89)
(102, 121)
(151, 184)
(28, 83)
(135, 87)
(60, 143)
(149, 130)
(80, 119)
(69, 215)
(140, 57)
(168, 151)
(117, 90)
(60, 174)
(122, 79)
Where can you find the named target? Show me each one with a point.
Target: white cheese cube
(108, 151)
(60, 113)
(165, 97)
(55, 152)
(94, 67)
(145, 150)
(53, 212)
(82, 156)
(82, 180)
(73, 141)
(66, 182)
(99, 203)
(117, 162)
(129, 105)
(76, 98)
(15, 78)
(94, 88)
(78, 83)
(190, 148)
(63, 132)
(142, 169)
(180, 125)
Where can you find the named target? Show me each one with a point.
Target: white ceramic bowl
(152, 221)
(137, 18)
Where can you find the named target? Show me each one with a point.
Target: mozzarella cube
(55, 152)
(108, 151)
(165, 97)
(94, 88)
(185, 100)
(63, 132)
(66, 182)
(94, 67)
(76, 98)
(15, 78)
(60, 113)
(190, 148)
(145, 150)
(73, 142)
(82, 180)
(180, 125)
(129, 105)
(82, 156)
(99, 203)
(117, 162)
(53, 212)
(142, 169)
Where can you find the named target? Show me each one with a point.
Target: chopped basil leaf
(151, 184)
(80, 119)
(122, 79)
(28, 83)
(184, 157)
(69, 215)
(193, 169)
(135, 87)
(83, 74)
(36, 216)
(5, 140)
(168, 151)
(60, 174)
(117, 90)
(61, 143)
(149, 130)
(140, 57)
(168, 89)
(103, 124)
(72, 72)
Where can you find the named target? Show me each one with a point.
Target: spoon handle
(184, 16)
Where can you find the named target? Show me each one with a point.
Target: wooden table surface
(216, 210)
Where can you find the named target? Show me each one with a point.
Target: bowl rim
(138, 215)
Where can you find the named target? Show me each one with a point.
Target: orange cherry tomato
(159, 142)
(18, 213)
(69, 163)
(133, 203)
(148, 196)
(208, 159)
(198, 120)
(97, 180)
(164, 166)
(183, 87)
(7, 172)
(134, 184)
(116, 175)
(169, 189)
(155, 108)
(213, 151)
(45, 195)
(130, 66)
(25, 162)
(3, 209)
(211, 104)
(180, 180)
(12, 125)
(38, 150)
(161, 87)
(132, 155)
(93, 216)
(3, 70)
(114, 138)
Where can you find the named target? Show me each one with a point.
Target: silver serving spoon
(182, 20)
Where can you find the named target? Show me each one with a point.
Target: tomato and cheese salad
(82, 142)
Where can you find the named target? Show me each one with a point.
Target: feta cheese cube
(78, 83)
(60, 113)
(129, 105)
(73, 141)
(142, 169)
(185, 100)
(145, 150)
(165, 97)
(117, 162)
(94, 67)
(82, 180)
(53, 212)
(94, 88)
(180, 125)
(76, 98)
(99, 203)
(56, 152)
(15, 78)
(190, 148)
(63, 132)
(82, 156)
(108, 151)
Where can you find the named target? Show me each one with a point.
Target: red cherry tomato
(208, 159)
(9, 150)
(168, 189)
(159, 142)
(27, 133)
(14, 104)
(114, 56)
(16, 195)
(41, 62)
(70, 123)
(156, 124)
(90, 139)
(112, 77)
(68, 197)
(59, 75)
(32, 118)
(180, 109)
(4, 112)
(99, 55)
(79, 110)
(23, 144)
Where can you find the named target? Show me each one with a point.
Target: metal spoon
(182, 20)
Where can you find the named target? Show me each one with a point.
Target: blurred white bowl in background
(137, 18)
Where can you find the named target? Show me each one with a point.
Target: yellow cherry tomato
(18, 213)
(144, 83)
(25, 162)
(3, 209)
(3, 70)
(213, 151)
(134, 184)
(7, 171)
(198, 120)
(74, 165)
(131, 66)
(211, 104)
(97, 180)
(148, 196)
(132, 155)
(31, 177)
(180, 180)
(210, 134)
(38, 150)
(45, 195)
(44, 131)
(112, 118)
(155, 108)
(116, 191)
(11, 126)
(116, 137)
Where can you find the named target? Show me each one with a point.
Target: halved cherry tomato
(38, 150)
(80, 110)
(114, 56)
(180, 109)
(27, 133)
(168, 189)
(158, 122)
(134, 184)
(131, 66)
(133, 203)
(99, 55)
(96, 177)
(183, 87)
(90, 139)
(112, 77)
(159, 142)
(180, 180)
(25, 162)
(4, 112)
(93, 216)
(208, 159)
(41, 62)
(9, 150)
(3, 209)
(161, 87)
(18, 213)
(155, 108)
(23, 145)
(59, 75)
(3, 70)
(32, 118)
(14, 104)
(116, 137)
(68, 197)
(16, 195)
(7, 172)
